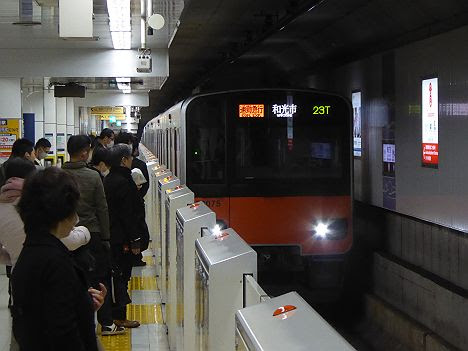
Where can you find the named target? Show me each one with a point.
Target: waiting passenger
(12, 233)
(100, 162)
(93, 214)
(23, 148)
(53, 306)
(106, 138)
(124, 206)
(129, 139)
(41, 149)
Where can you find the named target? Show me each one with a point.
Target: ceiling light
(123, 80)
(126, 91)
(122, 40)
(120, 23)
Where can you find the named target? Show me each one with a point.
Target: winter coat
(126, 207)
(12, 233)
(52, 309)
(92, 206)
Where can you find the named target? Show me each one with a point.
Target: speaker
(70, 90)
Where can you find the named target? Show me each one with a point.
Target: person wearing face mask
(93, 213)
(100, 162)
(106, 138)
(41, 149)
(52, 303)
(124, 203)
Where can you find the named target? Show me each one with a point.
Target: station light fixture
(120, 23)
(124, 84)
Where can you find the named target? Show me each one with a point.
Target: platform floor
(146, 307)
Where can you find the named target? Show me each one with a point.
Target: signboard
(430, 122)
(389, 153)
(107, 110)
(118, 117)
(285, 110)
(356, 100)
(61, 142)
(252, 111)
(9, 132)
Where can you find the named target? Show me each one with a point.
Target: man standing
(41, 149)
(93, 214)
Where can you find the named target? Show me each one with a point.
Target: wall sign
(9, 132)
(285, 110)
(356, 100)
(252, 111)
(430, 122)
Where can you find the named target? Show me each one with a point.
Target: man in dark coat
(124, 204)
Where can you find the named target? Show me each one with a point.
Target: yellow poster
(9, 132)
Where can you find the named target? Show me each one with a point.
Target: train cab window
(205, 120)
(301, 148)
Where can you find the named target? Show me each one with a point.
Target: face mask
(105, 173)
(42, 155)
(110, 144)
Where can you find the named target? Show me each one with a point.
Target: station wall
(391, 92)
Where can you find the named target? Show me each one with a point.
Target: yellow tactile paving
(118, 342)
(149, 260)
(145, 314)
(143, 283)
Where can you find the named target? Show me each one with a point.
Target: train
(274, 164)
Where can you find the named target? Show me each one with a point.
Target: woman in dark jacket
(123, 201)
(53, 306)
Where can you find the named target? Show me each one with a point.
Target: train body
(275, 165)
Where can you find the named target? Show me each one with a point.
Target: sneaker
(127, 324)
(112, 330)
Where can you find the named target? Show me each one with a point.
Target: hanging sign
(9, 132)
(430, 122)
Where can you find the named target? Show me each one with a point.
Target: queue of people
(71, 236)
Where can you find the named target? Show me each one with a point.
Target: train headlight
(321, 230)
(332, 229)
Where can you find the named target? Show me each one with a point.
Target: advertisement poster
(356, 100)
(10, 131)
(430, 122)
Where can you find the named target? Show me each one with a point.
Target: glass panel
(206, 141)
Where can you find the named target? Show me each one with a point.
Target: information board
(356, 100)
(10, 131)
(430, 122)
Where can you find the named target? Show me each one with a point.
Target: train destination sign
(285, 110)
(252, 111)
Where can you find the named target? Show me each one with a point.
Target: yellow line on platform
(145, 314)
(117, 342)
(149, 260)
(143, 283)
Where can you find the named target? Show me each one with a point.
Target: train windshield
(299, 137)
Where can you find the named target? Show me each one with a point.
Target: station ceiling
(222, 44)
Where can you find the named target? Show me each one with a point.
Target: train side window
(206, 141)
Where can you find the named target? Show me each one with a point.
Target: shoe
(112, 330)
(127, 324)
(139, 264)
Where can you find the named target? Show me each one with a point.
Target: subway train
(275, 165)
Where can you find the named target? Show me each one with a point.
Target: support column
(50, 121)
(61, 140)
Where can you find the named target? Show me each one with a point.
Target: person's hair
(135, 145)
(124, 138)
(21, 147)
(19, 167)
(78, 143)
(100, 154)
(42, 142)
(106, 132)
(49, 196)
(117, 152)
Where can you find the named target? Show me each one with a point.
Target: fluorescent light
(122, 40)
(123, 80)
(126, 91)
(120, 23)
